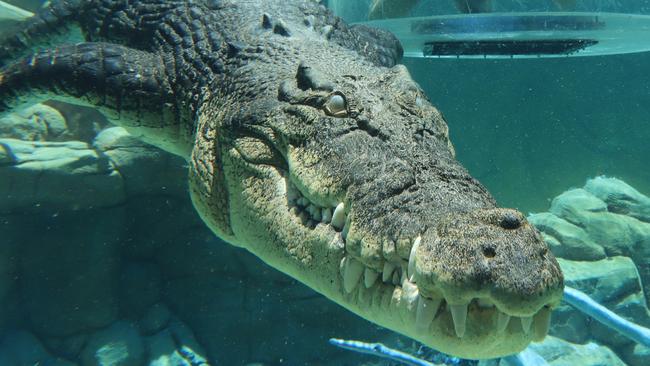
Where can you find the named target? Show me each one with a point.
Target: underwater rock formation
(601, 235)
(144, 259)
(40, 154)
(558, 352)
(20, 348)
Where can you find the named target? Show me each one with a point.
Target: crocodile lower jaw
(390, 297)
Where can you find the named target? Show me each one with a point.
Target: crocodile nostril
(489, 252)
(510, 221)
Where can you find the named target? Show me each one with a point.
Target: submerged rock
(164, 350)
(7, 271)
(620, 197)
(118, 345)
(606, 218)
(68, 282)
(67, 175)
(46, 163)
(573, 204)
(156, 318)
(605, 281)
(566, 239)
(637, 355)
(21, 348)
(561, 353)
(139, 288)
(38, 122)
(144, 168)
(613, 282)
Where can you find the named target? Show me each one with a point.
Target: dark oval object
(510, 221)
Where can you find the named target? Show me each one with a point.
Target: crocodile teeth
(426, 311)
(397, 277)
(316, 215)
(338, 217)
(292, 195)
(352, 271)
(304, 217)
(410, 293)
(459, 315)
(542, 323)
(502, 321)
(326, 214)
(346, 229)
(526, 321)
(411, 266)
(369, 277)
(387, 274)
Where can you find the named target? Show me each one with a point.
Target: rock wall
(601, 236)
(103, 261)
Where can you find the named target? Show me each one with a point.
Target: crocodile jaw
(264, 221)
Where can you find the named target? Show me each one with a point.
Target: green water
(530, 129)
(146, 269)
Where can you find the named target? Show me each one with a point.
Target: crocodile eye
(336, 106)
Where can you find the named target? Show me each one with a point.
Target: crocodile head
(330, 168)
(341, 174)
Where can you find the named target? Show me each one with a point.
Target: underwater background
(103, 260)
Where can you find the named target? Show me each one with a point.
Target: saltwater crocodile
(310, 147)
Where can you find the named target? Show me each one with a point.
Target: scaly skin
(286, 113)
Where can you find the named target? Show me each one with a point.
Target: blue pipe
(379, 350)
(587, 305)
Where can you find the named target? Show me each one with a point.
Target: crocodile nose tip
(510, 221)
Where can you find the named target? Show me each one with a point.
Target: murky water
(103, 260)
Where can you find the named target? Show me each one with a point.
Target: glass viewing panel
(486, 31)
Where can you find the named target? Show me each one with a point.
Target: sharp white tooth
(316, 215)
(542, 323)
(397, 277)
(410, 294)
(526, 321)
(411, 267)
(346, 229)
(502, 321)
(459, 315)
(326, 214)
(342, 266)
(304, 217)
(292, 195)
(311, 209)
(387, 274)
(352, 273)
(404, 271)
(485, 303)
(338, 217)
(427, 309)
(369, 277)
